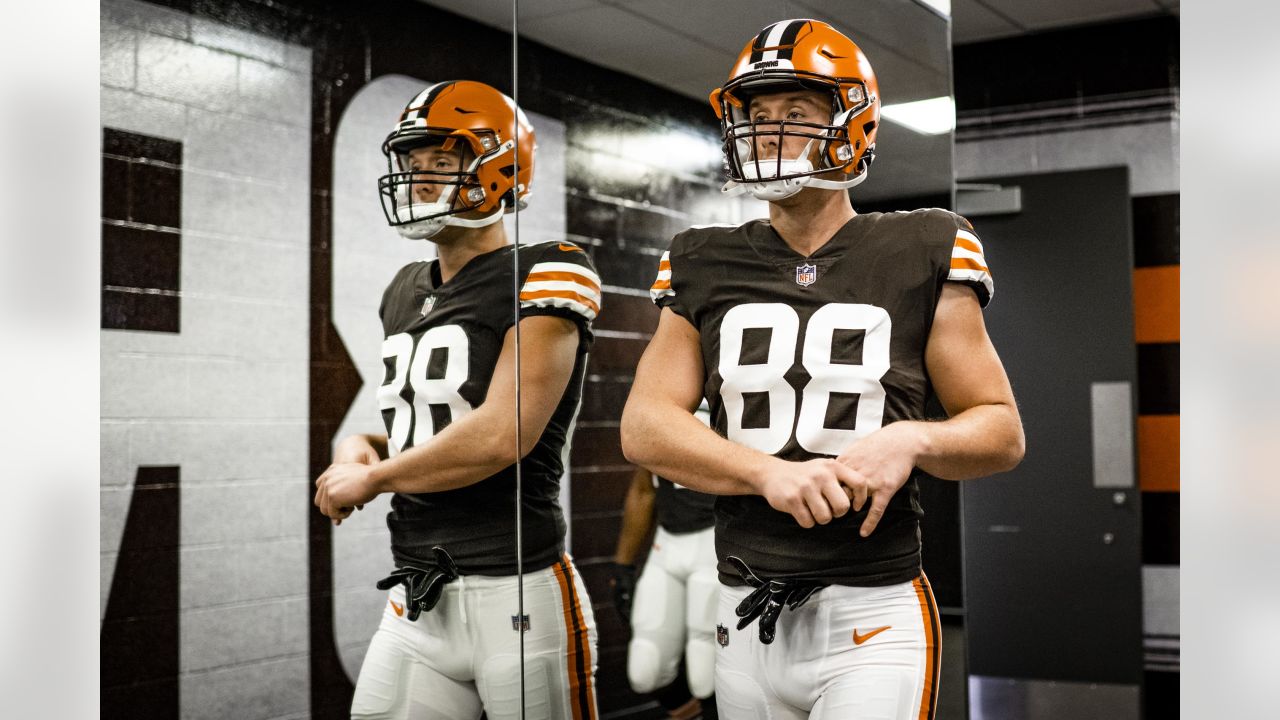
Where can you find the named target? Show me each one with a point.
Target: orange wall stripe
(1155, 304)
(1158, 446)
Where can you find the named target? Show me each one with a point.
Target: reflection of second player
(671, 607)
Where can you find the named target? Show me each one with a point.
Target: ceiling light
(935, 116)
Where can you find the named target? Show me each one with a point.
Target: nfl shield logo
(806, 275)
(427, 305)
(722, 635)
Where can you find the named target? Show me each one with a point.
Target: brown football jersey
(805, 355)
(441, 345)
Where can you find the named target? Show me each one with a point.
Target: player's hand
(622, 581)
(343, 488)
(882, 462)
(355, 449)
(812, 492)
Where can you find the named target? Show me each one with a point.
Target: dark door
(1053, 549)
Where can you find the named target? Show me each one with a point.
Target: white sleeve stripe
(974, 276)
(582, 270)
(657, 295)
(664, 274)
(558, 302)
(587, 292)
(960, 252)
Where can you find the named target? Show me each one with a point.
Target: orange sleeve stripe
(968, 264)
(1158, 448)
(664, 265)
(969, 245)
(564, 294)
(661, 285)
(552, 276)
(1156, 317)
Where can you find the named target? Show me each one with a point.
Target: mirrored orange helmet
(496, 171)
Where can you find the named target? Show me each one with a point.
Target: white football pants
(853, 653)
(673, 613)
(463, 656)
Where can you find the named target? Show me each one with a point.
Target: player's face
(433, 158)
(769, 110)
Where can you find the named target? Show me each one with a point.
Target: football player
(817, 336)
(448, 645)
(671, 609)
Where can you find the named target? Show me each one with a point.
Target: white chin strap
(757, 178)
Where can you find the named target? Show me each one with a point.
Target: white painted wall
(226, 399)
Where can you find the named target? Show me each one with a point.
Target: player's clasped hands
(343, 487)
(813, 492)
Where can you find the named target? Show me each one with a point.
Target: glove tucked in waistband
(768, 598)
(423, 585)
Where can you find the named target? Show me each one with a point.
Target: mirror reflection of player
(817, 336)
(449, 643)
(671, 607)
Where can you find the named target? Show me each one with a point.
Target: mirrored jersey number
(409, 372)
(826, 376)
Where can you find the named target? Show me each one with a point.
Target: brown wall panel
(598, 492)
(629, 312)
(615, 354)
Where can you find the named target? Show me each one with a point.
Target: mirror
(643, 162)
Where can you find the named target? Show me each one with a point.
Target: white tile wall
(236, 41)
(153, 19)
(226, 399)
(270, 689)
(119, 55)
(185, 73)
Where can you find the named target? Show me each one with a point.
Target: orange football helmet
(466, 115)
(809, 55)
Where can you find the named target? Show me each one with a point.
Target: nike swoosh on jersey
(398, 608)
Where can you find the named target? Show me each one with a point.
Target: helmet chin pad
(756, 177)
(433, 217)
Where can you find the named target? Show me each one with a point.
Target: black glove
(423, 585)
(622, 581)
(768, 598)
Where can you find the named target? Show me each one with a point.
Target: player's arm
(361, 448)
(638, 521)
(661, 433)
(480, 443)
(983, 434)
(638, 517)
